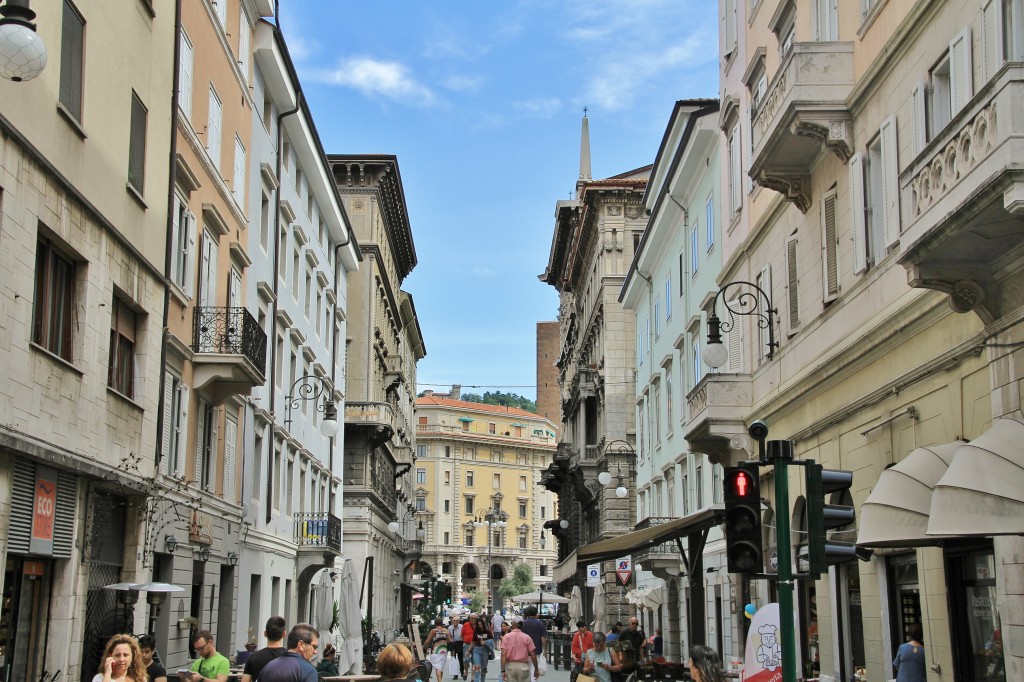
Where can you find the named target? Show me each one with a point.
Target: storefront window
(977, 631)
(905, 597)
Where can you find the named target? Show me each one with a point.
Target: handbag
(585, 678)
(453, 666)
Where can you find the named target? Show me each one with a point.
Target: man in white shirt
(496, 628)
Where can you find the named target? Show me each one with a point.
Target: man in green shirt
(210, 666)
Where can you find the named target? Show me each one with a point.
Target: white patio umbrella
(539, 598)
(600, 607)
(575, 606)
(350, 628)
(323, 604)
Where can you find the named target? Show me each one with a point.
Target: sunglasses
(310, 644)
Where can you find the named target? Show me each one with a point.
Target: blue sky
(482, 102)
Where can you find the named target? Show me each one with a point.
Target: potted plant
(250, 644)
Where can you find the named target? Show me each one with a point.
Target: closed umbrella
(323, 602)
(599, 608)
(350, 649)
(575, 605)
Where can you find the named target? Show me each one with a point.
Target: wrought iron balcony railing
(230, 331)
(319, 530)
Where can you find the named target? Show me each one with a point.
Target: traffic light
(447, 588)
(821, 518)
(743, 520)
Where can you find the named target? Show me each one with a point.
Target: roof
(479, 407)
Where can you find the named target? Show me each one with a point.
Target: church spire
(585, 148)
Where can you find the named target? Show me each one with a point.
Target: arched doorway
(470, 580)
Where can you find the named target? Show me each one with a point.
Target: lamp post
(22, 52)
(495, 517)
(311, 387)
(620, 447)
(746, 303)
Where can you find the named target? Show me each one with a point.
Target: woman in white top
(122, 661)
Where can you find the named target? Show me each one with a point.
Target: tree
(477, 601)
(520, 582)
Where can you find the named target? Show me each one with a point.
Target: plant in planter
(250, 644)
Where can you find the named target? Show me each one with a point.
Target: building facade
(881, 219)
(667, 288)
(591, 249)
(83, 212)
(384, 344)
(473, 460)
(302, 250)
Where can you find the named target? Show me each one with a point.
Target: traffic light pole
(780, 452)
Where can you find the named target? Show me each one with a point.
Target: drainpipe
(334, 336)
(169, 247)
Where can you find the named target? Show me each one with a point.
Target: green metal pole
(779, 453)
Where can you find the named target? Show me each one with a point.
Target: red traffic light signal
(742, 489)
(742, 484)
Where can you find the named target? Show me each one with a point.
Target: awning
(628, 543)
(566, 568)
(897, 510)
(954, 490)
(982, 493)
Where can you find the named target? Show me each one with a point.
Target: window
(522, 541)
(543, 569)
(296, 266)
(469, 479)
(496, 456)
(730, 21)
(830, 247)
(244, 31)
(185, 62)
(421, 504)
(874, 194)
(792, 284)
(757, 85)
(697, 367)
(656, 415)
(709, 222)
(121, 368)
(491, 428)
(183, 242)
(522, 509)
(657, 318)
(175, 426)
(72, 55)
(682, 272)
(447, 541)
(421, 476)
(469, 505)
(938, 97)
(735, 186)
(238, 178)
(668, 297)
(522, 483)
(421, 451)
(668, 394)
(543, 512)
(54, 300)
(826, 20)
(469, 537)
(206, 445)
(465, 426)
(137, 146)
(208, 271)
(447, 478)
(496, 481)
(946, 90)
(785, 31)
(698, 486)
(213, 129)
(694, 246)
(447, 506)
(220, 7)
(447, 450)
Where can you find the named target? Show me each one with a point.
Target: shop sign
(200, 528)
(33, 569)
(44, 511)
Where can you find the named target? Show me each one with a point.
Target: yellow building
(474, 461)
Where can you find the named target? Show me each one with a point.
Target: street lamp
(605, 477)
(746, 303)
(311, 387)
(494, 517)
(22, 52)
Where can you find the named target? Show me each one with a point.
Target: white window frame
(238, 177)
(694, 249)
(213, 129)
(826, 20)
(668, 297)
(709, 223)
(829, 247)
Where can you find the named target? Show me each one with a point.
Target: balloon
(749, 610)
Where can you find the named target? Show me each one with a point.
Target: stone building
(593, 244)
(384, 344)
(548, 402)
(84, 179)
(473, 460)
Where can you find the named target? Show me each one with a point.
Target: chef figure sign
(764, 651)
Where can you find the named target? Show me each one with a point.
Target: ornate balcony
(803, 113)
(717, 407)
(962, 202)
(230, 352)
(380, 417)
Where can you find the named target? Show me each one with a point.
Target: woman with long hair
(483, 646)
(436, 644)
(122, 661)
(705, 665)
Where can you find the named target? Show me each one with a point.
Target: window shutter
(920, 116)
(230, 444)
(960, 76)
(992, 38)
(185, 76)
(792, 283)
(860, 255)
(182, 426)
(238, 183)
(244, 29)
(125, 321)
(214, 440)
(833, 19)
(734, 344)
(829, 247)
(890, 183)
(175, 235)
(190, 258)
(235, 289)
(169, 425)
(764, 280)
(730, 26)
(200, 437)
(734, 168)
(213, 130)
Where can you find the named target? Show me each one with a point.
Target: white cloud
(538, 107)
(376, 78)
(463, 83)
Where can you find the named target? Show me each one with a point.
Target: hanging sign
(44, 511)
(764, 646)
(593, 575)
(624, 569)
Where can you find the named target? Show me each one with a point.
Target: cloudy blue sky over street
(481, 102)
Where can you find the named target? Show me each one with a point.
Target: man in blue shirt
(295, 666)
(535, 629)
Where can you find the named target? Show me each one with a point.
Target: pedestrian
(295, 665)
(468, 634)
(496, 623)
(437, 644)
(121, 661)
(483, 650)
(211, 664)
(533, 626)
(455, 646)
(517, 655)
(657, 643)
(395, 662)
(601, 661)
(613, 634)
(274, 631)
(909, 662)
(705, 665)
(328, 667)
(147, 649)
(582, 642)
